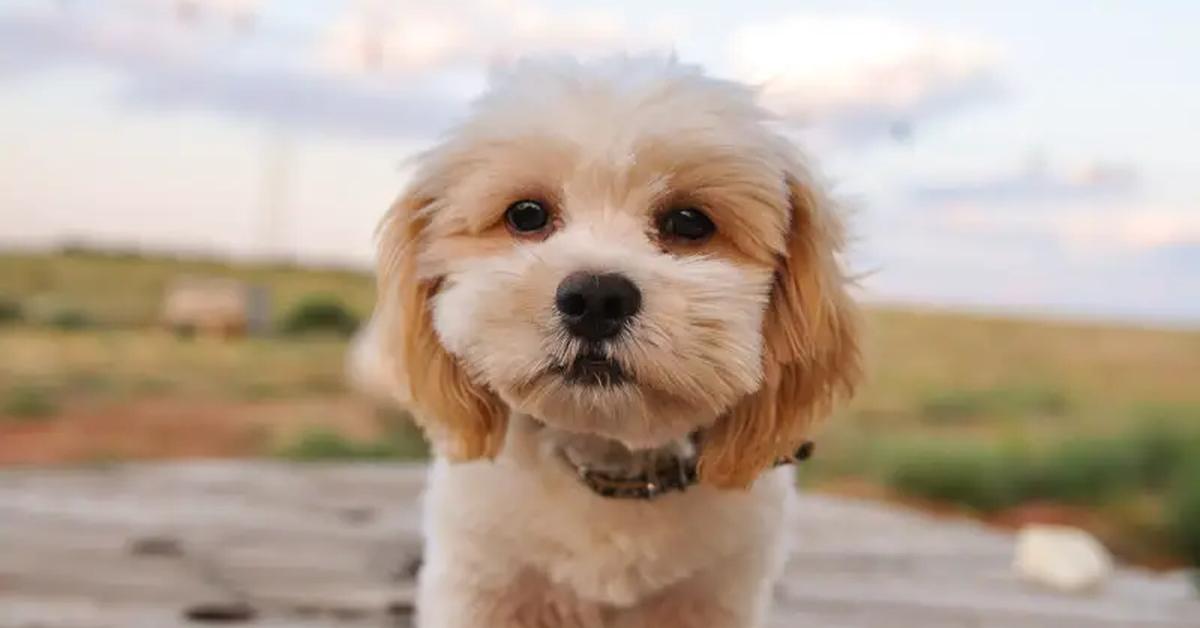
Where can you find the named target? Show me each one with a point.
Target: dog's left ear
(811, 355)
(464, 420)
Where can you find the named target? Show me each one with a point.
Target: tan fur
(811, 355)
(446, 400)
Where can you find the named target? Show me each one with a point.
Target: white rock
(1062, 558)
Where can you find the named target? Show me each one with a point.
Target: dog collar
(675, 475)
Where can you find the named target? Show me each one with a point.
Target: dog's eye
(686, 223)
(526, 216)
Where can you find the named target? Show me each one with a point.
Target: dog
(614, 299)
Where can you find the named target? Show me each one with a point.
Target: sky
(1020, 156)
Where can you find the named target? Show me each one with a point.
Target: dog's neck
(610, 456)
(612, 469)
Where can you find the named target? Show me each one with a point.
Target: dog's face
(623, 250)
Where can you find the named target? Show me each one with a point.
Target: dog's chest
(610, 551)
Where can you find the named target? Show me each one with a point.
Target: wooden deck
(319, 546)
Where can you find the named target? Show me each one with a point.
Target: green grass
(1185, 514)
(981, 477)
(1088, 471)
(1002, 402)
(28, 401)
(123, 365)
(125, 289)
(10, 310)
(70, 319)
(400, 440)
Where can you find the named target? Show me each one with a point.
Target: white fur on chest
(525, 512)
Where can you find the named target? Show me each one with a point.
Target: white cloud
(1137, 228)
(1085, 228)
(1093, 207)
(857, 77)
(382, 68)
(1036, 182)
(861, 75)
(410, 37)
(199, 62)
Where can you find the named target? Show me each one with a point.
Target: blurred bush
(70, 319)
(10, 310)
(320, 313)
(952, 406)
(400, 439)
(28, 401)
(1088, 472)
(1185, 514)
(323, 444)
(977, 476)
(1161, 450)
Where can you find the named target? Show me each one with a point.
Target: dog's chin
(599, 397)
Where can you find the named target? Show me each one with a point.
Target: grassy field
(1010, 420)
(125, 289)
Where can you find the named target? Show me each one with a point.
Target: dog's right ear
(463, 420)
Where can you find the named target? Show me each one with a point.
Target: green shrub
(1091, 472)
(70, 319)
(953, 406)
(321, 313)
(980, 477)
(1160, 450)
(1158, 413)
(29, 401)
(1086, 471)
(325, 444)
(1022, 400)
(10, 310)
(1184, 509)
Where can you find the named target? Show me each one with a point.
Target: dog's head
(623, 249)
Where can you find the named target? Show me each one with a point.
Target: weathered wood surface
(317, 546)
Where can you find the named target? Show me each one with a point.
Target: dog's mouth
(592, 368)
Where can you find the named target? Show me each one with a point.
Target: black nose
(595, 307)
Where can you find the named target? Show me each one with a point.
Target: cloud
(406, 38)
(169, 63)
(862, 78)
(299, 101)
(1085, 227)
(400, 66)
(1123, 261)
(383, 69)
(1097, 207)
(1037, 183)
(1079, 239)
(1138, 228)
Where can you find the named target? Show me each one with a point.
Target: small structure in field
(215, 306)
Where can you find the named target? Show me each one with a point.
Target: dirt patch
(177, 428)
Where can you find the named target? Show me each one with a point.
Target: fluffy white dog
(613, 299)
